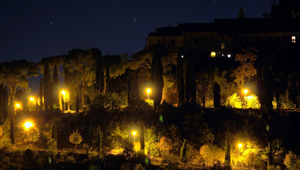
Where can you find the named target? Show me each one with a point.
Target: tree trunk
(83, 91)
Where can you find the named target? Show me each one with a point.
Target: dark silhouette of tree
(157, 76)
(128, 87)
(55, 86)
(180, 80)
(193, 83)
(136, 84)
(99, 74)
(3, 103)
(188, 79)
(41, 92)
(107, 78)
(241, 14)
(47, 89)
(216, 95)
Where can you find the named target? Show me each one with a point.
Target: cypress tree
(47, 88)
(216, 95)
(99, 75)
(193, 83)
(55, 90)
(157, 76)
(41, 95)
(180, 83)
(136, 83)
(54, 130)
(107, 77)
(188, 80)
(128, 87)
(241, 14)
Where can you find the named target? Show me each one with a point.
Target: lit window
(213, 54)
(293, 39)
(222, 55)
(222, 46)
(228, 55)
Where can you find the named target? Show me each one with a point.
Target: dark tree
(47, 88)
(3, 103)
(193, 83)
(157, 76)
(241, 14)
(128, 87)
(188, 80)
(180, 80)
(41, 92)
(99, 74)
(77, 103)
(108, 85)
(55, 86)
(136, 84)
(216, 95)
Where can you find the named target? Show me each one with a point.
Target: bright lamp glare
(31, 99)
(63, 92)
(148, 90)
(28, 125)
(134, 132)
(240, 145)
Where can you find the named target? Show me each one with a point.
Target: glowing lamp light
(148, 90)
(63, 92)
(229, 55)
(31, 99)
(28, 125)
(134, 132)
(240, 145)
(213, 54)
(18, 105)
(246, 91)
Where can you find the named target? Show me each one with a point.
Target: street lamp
(148, 92)
(63, 100)
(245, 91)
(28, 125)
(134, 132)
(18, 106)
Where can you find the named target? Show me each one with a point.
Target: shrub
(139, 167)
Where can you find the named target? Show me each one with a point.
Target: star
(134, 19)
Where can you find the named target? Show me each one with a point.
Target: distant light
(148, 90)
(222, 55)
(293, 39)
(182, 56)
(31, 99)
(134, 132)
(240, 145)
(63, 92)
(213, 54)
(228, 55)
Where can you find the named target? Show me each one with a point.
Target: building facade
(226, 37)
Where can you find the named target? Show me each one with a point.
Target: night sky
(36, 29)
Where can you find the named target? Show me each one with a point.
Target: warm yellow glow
(240, 145)
(148, 90)
(134, 132)
(63, 92)
(213, 54)
(31, 99)
(28, 125)
(245, 91)
(249, 97)
(18, 105)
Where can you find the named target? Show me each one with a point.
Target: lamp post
(244, 99)
(148, 92)
(63, 100)
(134, 133)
